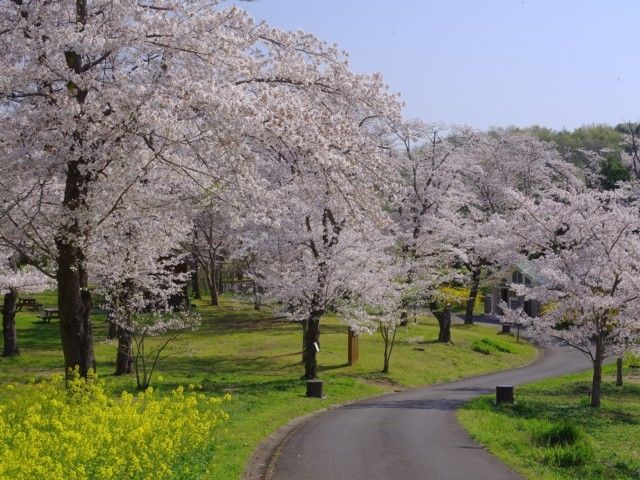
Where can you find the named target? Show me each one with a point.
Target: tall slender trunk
(389, 337)
(305, 329)
(475, 284)
(596, 387)
(124, 356)
(74, 299)
(9, 324)
(619, 379)
(385, 365)
(195, 282)
(219, 278)
(312, 337)
(212, 284)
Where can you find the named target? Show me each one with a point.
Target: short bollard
(504, 394)
(506, 328)
(314, 388)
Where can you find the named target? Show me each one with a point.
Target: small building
(521, 274)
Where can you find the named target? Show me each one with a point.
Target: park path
(409, 435)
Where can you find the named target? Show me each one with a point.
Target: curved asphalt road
(409, 435)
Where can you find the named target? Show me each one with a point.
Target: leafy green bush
(82, 433)
(488, 346)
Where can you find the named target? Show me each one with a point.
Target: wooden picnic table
(49, 314)
(31, 303)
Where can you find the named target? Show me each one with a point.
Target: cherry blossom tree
(13, 281)
(586, 248)
(213, 240)
(425, 211)
(94, 98)
(137, 266)
(383, 317)
(496, 164)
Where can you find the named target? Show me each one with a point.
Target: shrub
(488, 346)
(82, 433)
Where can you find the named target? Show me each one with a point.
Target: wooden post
(352, 344)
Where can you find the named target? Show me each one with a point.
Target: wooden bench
(49, 314)
(31, 303)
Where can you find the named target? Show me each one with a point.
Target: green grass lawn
(590, 444)
(257, 358)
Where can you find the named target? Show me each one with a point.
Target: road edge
(261, 463)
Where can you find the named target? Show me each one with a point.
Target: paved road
(409, 435)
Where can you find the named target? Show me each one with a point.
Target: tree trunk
(74, 304)
(124, 356)
(213, 287)
(219, 279)
(256, 298)
(305, 329)
(312, 337)
(444, 322)
(9, 324)
(195, 282)
(619, 380)
(596, 387)
(112, 331)
(385, 366)
(475, 284)
(74, 299)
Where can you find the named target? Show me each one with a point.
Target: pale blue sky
(559, 63)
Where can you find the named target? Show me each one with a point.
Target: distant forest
(605, 140)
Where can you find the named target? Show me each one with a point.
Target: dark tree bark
(475, 284)
(619, 379)
(9, 324)
(598, 359)
(112, 332)
(74, 304)
(219, 278)
(213, 285)
(312, 337)
(74, 299)
(124, 357)
(305, 329)
(195, 282)
(389, 337)
(444, 322)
